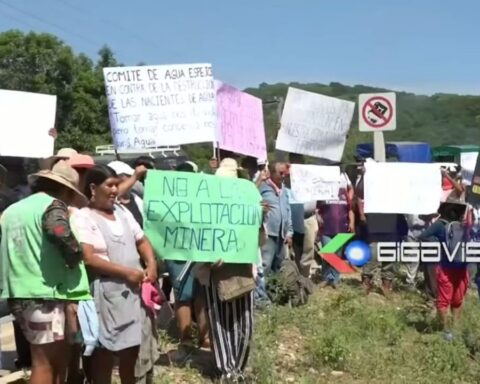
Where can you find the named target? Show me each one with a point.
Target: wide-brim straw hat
(62, 154)
(65, 153)
(63, 174)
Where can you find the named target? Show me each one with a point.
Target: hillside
(40, 62)
(438, 119)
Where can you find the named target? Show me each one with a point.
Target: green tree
(439, 119)
(40, 62)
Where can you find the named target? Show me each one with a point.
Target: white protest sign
(377, 112)
(25, 121)
(152, 106)
(404, 188)
(314, 182)
(468, 161)
(314, 125)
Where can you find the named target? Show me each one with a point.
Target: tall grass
(371, 340)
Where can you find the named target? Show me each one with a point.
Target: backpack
(288, 286)
(454, 236)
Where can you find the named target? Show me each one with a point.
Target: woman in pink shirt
(113, 247)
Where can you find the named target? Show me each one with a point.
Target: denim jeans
(274, 251)
(260, 294)
(329, 274)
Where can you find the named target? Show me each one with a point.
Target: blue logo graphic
(358, 253)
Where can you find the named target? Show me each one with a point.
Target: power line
(59, 27)
(11, 16)
(90, 13)
(119, 27)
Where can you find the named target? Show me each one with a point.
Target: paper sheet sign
(152, 106)
(468, 160)
(25, 122)
(203, 218)
(404, 188)
(314, 182)
(314, 125)
(240, 122)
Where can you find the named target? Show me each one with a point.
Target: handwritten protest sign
(314, 182)
(405, 188)
(151, 106)
(240, 122)
(201, 217)
(314, 125)
(468, 161)
(26, 120)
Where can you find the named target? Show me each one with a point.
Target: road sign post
(379, 147)
(377, 113)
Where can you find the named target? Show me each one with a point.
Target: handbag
(233, 280)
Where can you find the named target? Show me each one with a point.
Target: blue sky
(422, 46)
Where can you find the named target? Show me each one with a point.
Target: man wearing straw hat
(41, 269)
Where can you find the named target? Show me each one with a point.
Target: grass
(344, 337)
(349, 338)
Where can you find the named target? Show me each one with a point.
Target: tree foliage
(439, 119)
(40, 62)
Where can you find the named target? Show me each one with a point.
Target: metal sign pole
(379, 147)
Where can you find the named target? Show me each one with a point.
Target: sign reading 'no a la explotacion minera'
(203, 218)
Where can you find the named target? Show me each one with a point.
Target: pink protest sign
(240, 126)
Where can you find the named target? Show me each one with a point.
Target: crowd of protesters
(84, 284)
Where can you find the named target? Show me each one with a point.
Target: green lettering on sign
(202, 218)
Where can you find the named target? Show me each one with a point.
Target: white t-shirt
(87, 230)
